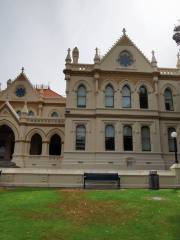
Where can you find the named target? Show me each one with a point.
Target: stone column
(45, 148)
(136, 137)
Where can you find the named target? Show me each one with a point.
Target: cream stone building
(118, 114)
(31, 125)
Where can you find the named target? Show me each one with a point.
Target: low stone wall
(74, 178)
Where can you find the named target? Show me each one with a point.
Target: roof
(48, 93)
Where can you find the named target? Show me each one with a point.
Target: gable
(25, 90)
(114, 61)
(6, 110)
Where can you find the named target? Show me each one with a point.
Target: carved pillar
(45, 148)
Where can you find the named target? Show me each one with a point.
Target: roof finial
(22, 70)
(68, 57)
(124, 31)
(96, 57)
(153, 60)
(178, 61)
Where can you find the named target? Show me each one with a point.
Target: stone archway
(7, 142)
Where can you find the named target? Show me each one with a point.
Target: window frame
(127, 138)
(146, 138)
(109, 141)
(107, 96)
(126, 96)
(81, 97)
(78, 146)
(168, 100)
(144, 104)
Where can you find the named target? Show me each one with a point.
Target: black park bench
(101, 177)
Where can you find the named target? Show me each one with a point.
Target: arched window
(81, 96)
(126, 97)
(54, 115)
(31, 114)
(18, 113)
(170, 139)
(55, 145)
(145, 139)
(80, 137)
(109, 96)
(127, 138)
(109, 138)
(143, 97)
(168, 98)
(36, 145)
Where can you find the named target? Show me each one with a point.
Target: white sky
(35, 34)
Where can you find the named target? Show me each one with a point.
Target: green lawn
(52, 214)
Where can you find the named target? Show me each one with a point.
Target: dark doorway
(7, 140)
(55, 145)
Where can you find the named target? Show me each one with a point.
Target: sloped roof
(49, 93)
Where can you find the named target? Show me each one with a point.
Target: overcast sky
(35, 34)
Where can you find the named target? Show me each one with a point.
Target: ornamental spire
(153, 60)
(96, 56)
(68, 57)
(178, 61)
(124, 31)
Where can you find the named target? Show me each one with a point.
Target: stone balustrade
(168, 71)
(42, 120)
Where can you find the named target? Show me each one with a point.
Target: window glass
(143, 97)
(80, 137)
(170, 139)
(127, 138)
(126, 97)
(145, 139)
(31, 113)
(109, 138)
(54, 114)
(81, 96)
(168, 100)
(109, 96)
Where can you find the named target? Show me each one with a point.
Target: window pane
(127, 138)
(126, 95)
(109, 138)
(143, 97)
(109, 96)
(168, 100)
(55, 114)
(145, 139)
(80, 138)
(170, 139)
(81, 96)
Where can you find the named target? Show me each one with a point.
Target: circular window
(125, 59)
(20, 91)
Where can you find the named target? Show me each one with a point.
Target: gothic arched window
(109, 96)
(127, 138)
(170, 139)
(145, 139)
(143, 97)
(109, 138)
(81, 96)
(126, 97)
(80, 137)
(168, 98)
(55, 145)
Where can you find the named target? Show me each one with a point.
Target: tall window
(126, 97)
(170, 139)
(145, 139)
(143, 97)
(36, 145)
(109, 96)
(127, 138)
(80, 137)
(168, 98)
(55, 145)
(81, 96)
(109, 138)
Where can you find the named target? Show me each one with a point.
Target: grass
(43, 214)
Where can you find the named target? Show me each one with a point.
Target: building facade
(119, 113)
